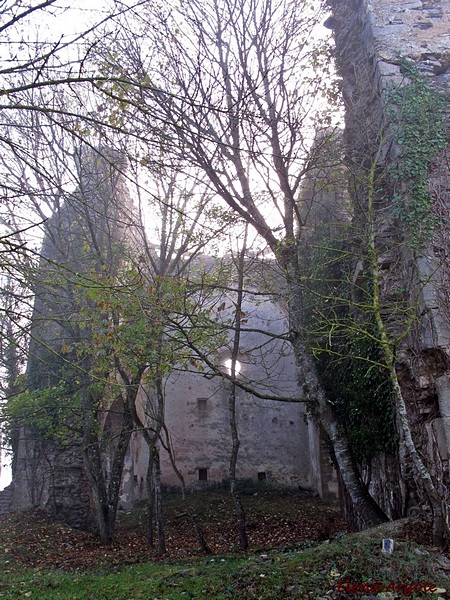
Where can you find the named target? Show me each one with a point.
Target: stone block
(438, 432)
(443, 391)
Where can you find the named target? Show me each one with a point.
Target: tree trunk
(441, 529)
(94, 472)
(105, 497)
(240, 511)
(441, 526)
(159, 513)
(154, 489)
(235, 442)
(115, 477)
(203, 546)
(154, 498)
(150, 502)
(366, 509)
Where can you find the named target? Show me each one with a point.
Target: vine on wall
(416, 114)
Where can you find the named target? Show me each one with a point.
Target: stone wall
(275, 438)
(6, 498)
(372, 39)
(95, 218)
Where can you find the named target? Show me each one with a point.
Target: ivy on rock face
(416, 114)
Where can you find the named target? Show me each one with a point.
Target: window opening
(201, 404)
(228, 364)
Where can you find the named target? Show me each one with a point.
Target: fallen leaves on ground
(280, 520)
(275, 520)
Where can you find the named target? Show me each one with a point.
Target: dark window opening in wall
(203, 474)
(262, 476)
(201, 403)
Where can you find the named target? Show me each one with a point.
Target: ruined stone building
(79, 239)
(374, 41)
(274, 435)
(276, 440)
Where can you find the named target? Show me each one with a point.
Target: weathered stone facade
(275, 436)
(373, 38)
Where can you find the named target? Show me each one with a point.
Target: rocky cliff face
(374, 42)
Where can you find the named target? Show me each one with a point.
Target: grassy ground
(350, 566)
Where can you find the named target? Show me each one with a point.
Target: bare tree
(235, 95)
(68, 380)
(45, 91)
(180, 229)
